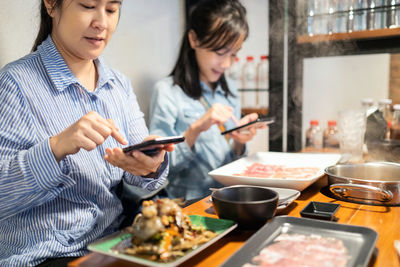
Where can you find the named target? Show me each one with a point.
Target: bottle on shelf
(310, 18)
(235, 72)
(384, 106)
(340, 18)
(395, 123)
(249, 96)
(371, 25)
(367, 104)
(263, 82)
(314, 136)
(330, 136)
(394, 14)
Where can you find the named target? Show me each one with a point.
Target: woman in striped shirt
(63, 119)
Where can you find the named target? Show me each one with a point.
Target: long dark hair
(46, 22)
(217, 24)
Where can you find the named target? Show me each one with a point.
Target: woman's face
(82, 28)
(212, 64)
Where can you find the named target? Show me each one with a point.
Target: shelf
(259, 111)
(369, 34)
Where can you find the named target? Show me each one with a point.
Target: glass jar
(395, 125)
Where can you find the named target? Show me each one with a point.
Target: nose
(99, 20)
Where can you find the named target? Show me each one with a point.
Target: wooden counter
(384, 220)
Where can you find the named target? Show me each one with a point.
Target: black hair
(46, 22)
(217, 24)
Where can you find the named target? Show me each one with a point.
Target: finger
(87, 144)
(235, 120)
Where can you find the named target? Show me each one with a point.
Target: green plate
(105, 245)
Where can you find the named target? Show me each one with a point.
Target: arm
(164, 116)
(141, 170)
(29, 172)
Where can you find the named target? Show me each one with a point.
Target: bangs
(224, 35)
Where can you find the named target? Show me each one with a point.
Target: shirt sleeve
(163, 117)
(136, 135)
(29, 172)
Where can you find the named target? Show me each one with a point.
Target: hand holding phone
(152, 147)
(256, 123)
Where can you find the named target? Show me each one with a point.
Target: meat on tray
(302, 250)
(278, 171)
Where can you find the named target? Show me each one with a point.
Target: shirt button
(60, 185)
(71, 241)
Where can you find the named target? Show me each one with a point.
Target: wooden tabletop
(384, 220)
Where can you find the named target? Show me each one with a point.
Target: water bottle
(394, 14)
(314, 136)
(262, 82)
(249, 96)
(234, 73)
(310, 18)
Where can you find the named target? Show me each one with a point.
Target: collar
(59, 72)
(207, 89)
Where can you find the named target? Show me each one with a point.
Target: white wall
(332, 84)
(144, 47)
(256, 45)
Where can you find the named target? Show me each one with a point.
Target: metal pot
(375, 183)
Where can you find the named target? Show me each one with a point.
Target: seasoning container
(314, 136)
(384, 106)
(330, 138)
(395, 124)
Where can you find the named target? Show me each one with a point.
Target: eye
(87, 7)
(220, 53)
(111, 11)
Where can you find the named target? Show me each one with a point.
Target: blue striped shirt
(50, 209)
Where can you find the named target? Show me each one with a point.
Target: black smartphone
(150, 147)
(259, 122)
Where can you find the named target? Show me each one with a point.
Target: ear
(49, 4)
(193, 39)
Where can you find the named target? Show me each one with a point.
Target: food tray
(359, 241)
(225, 174)
(120, 239)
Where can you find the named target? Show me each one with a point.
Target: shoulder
(167, 88)
(22, 67)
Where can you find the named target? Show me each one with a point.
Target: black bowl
(249, 206)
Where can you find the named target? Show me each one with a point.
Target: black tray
(359, 241)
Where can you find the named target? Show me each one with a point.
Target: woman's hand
(217, 114)
(88, 132)
(136, 162)
(242, 137)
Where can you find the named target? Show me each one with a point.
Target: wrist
(54, 148)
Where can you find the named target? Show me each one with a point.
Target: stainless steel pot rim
(328, 171)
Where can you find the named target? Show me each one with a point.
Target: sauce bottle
(330, 137)
(314, 136)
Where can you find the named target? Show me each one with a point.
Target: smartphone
(259, 122)
(150, 147)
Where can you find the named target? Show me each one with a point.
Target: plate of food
(276, 169)
(163, 235)
(292, 241)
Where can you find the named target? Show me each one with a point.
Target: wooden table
(384, 220)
